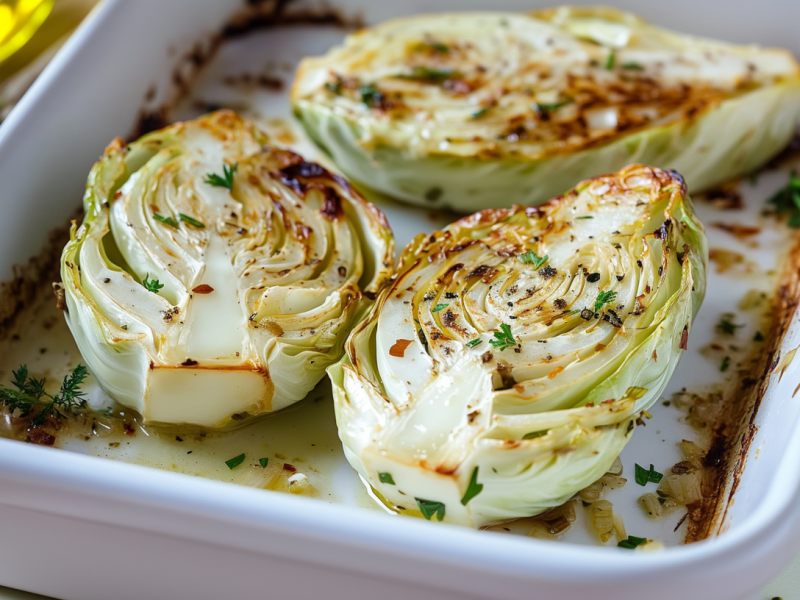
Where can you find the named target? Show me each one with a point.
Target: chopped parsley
(428, 508)
(531, 258)
(604, 298)
(644, 476)
(191, 221)
(632, 542)
(263, 462)
(474, 488)
(30, 393)
(787, 200)
(371, 95)
(152, 285)
(226, 180)
(544, 108)
(632, 66)
(475, 342)
(166, 220)
(611, 60)
(439, 307)
(726, 363)
(726, 324)
(428, 74)
(386, 478)
(585, 217)
(504, 338)
(480, 112)
(235, 461)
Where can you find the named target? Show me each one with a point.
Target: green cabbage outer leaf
(484, 110)
(260, 284)
(544, 415)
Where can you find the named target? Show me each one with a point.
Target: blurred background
(31, 33)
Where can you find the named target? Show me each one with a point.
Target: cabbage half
(194, 303)
(484, 110)
(502, 370)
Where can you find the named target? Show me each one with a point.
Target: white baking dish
(80, 527)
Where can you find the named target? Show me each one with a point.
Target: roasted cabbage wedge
(504, 368)
(485, 110)
(216, 277)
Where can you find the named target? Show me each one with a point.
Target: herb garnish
(428, 508)
(632, 542)
(474, 488)
(604, 298)
(585, 217)
(726, 324)
(191, 221)
(611, 60)
(152, 285)
(475, 342)
(531, 258)
(439, 307)
(543, 108)
(480, 112)
(787, 200)
(643, 476)
(166, 220)
(263, 462)
(504, 339)
(726, 362)
(235, 461)
(226, 180)
(386, 478)
(371, 95)
(30, 393)
(633, 66)
(426, 73)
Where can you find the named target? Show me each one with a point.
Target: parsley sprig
(29, 393)
(429, 508)
(439, 307)
(787, 200)
(644, 476)
(540, 107)
(152, 285)
(504, 338)
(604, 298)
(632, 542)
(428, 74)
(726, 324)
(166, 220)
(226, 179)
(473, 489)
(531, 258)
(191, 220)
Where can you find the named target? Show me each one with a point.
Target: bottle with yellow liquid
(19, 20)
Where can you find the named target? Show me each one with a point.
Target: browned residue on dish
(724, 197)
(258, 14)
(733, 426)
(21, 290)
